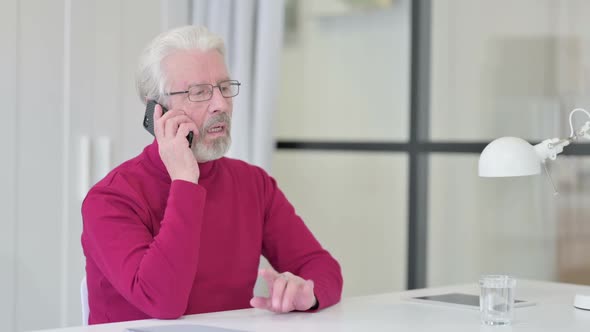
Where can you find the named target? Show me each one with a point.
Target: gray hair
(150, 79)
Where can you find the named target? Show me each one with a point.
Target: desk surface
(392, 312)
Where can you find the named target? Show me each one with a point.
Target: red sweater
(161, 249)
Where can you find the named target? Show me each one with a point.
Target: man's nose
(218, 102)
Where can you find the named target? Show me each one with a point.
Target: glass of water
(496, 302)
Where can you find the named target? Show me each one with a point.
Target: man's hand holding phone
(171, 130)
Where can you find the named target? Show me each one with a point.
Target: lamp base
(582, 302)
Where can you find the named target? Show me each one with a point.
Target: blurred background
(371, 114)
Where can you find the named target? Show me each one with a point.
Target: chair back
(84, 301)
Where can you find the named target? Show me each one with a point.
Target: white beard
(216, 148)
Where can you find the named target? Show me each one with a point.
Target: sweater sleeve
(155, 274)
(290, 246)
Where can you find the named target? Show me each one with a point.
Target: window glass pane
(355, 204)
(520, 77)
(345, 71)
(507, 225)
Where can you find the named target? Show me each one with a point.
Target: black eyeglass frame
(211, 87)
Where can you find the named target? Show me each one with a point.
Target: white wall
(8, 56)
(345, 76)
(487, 226)
(354, 203)
(501, 68)
(33, 195)
(494, 60)
(67, 73)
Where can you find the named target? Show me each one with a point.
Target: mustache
(220, 118)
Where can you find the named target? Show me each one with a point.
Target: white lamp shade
(509, 156)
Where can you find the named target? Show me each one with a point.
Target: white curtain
(253, 33)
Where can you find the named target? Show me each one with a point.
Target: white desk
(390, 312)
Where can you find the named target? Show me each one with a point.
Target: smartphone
(148, 120)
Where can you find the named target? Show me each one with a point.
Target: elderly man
(180, 229)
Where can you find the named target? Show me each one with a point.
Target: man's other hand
(287, 292)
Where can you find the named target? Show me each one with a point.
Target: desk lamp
(513, 156)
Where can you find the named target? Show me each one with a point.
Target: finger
(260, 303)
(293, 286)
(163, 117)
(305, 299)
(277, 293)
(269, 275)
(172, 121)
(161, 121)
(186, 128)
(172, 124)
(309, 286)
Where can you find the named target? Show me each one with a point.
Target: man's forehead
(196, 67)
(203, 81)
(194, 57)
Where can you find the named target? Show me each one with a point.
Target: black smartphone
(148, 120)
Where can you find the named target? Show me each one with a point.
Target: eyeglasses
(204, 92)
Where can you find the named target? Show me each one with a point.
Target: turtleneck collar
(205, 169)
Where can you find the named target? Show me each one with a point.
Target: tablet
(180, 328)
(463, 300)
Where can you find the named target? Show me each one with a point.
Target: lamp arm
(550, 148)
(584, 131)
(572, 123)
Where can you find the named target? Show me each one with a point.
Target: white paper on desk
(181, 328)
